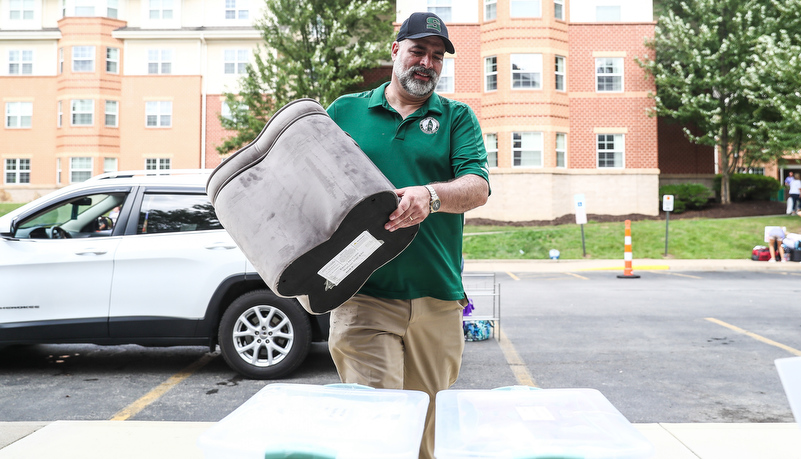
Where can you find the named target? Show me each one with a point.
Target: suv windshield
(83, 214)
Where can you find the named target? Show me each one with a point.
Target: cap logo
(433, 23)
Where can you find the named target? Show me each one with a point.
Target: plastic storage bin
(527, 423)
(790, 374)
(320, 422)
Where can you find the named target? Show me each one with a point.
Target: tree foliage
(312, 48)
(731, 68)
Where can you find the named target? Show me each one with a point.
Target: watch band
(434, 203)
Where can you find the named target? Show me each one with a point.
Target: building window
(84, 8)
(559, 73)
(561, 149)
(159, 61)
(83, 58)
(559, 9)
(112, 8)
(524, 8)
(491, 73)
(109, 165)
(236, 9)
(527, 71)
(61, 60)
(609, 74)
(490, 10)
(82, 112)
(154, 164)
(58, 171)
(113, 60)
(19, 115)
(610, 150)
(236, 61)
(160, 9)
(112, 110)
(527, 149)
(158, 113)
(446, 77)
(80, 169)
(607, 13)
(441, 8)
(60, 115)
(491, 144)
(751, 170)
(18, 171)
(20, 62)
(21, 10)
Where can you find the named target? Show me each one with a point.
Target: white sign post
(667, 206)
(581, 217)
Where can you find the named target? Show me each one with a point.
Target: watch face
(435, 205)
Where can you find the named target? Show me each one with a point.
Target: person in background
(775, 238)
(403, 329)
(795, 192)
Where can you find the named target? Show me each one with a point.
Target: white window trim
(163, 56)
(21, 62)
(488, 3)
(494, 148)
(542, 154)
(487, 74)
(621, 75)
(116, 61)
(563, 73)
(17, 171)
(560, 150)
(513, 72)
(236, 61)
(73, 113)
(114, 168)
(537, 14)
(60, 114)
(89, 169)
(240, 6)
(433, 5)
(448, 71)
(159, 163)
(562, 3)
(116, 114)
(159, 114)
(23, 110)
(92, 60)
(22, 10)
(160, 8)
(617, 149)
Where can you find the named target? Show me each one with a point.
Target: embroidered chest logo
(429, 125)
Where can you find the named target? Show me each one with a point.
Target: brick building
(100, 85)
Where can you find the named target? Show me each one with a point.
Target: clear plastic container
(527, 423)
(790, 374)
(320, 422)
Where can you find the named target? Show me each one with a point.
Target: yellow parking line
(516, 363)
(161, 389)
(576, 275)
(512, 276)
(755, 336)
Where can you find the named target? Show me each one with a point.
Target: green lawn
(6, 207)
(689, 239)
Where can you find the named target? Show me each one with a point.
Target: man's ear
(394, 50)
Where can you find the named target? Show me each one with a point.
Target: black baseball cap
(420, 25)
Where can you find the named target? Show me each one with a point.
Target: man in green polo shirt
(403, 330)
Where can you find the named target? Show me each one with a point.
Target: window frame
(442, 8)
(494, 7)
(76, 60)
(158, 164)
(81, 170)
(74, 112)
(21, 111)
(115, 113)
(561, 151)
(18, 171)
(107, 161)
(537, 63)
(239, 65)
(492, 150)
(621, 149)
(558, 73)
(490, 74)
(159, 114)
(537, 4)
(158, 6)
(20, 61)
(613, 75)
(60, 113)
(22, 10)
(561, 5)
(162, 61)
(113, 60)
(237, 8)
(517, 152)
(448, 73)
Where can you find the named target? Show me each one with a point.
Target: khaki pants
(399, 344)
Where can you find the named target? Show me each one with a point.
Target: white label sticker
(336, 270)
(534, 413)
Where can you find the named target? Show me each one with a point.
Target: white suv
(140, 258)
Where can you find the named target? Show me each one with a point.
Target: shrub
(686, 196)
(750, 187)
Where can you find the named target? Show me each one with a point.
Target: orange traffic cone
(627, 271)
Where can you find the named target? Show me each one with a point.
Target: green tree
(730, 68)
(312, 48)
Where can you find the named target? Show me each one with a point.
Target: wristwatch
(434, 203)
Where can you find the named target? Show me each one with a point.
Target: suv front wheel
(264, 336)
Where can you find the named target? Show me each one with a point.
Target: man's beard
(413, 86)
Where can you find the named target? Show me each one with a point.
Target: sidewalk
(178, 440)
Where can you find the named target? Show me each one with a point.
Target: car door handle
(221, 246)
(91, 251)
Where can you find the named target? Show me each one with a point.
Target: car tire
(264, 336)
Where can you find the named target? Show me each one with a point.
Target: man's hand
(412, 209)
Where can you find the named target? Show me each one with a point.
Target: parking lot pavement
(522, 266)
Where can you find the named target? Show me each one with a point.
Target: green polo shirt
(437, 143)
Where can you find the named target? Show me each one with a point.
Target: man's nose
(427, 61)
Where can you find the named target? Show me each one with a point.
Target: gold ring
(411, 218)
